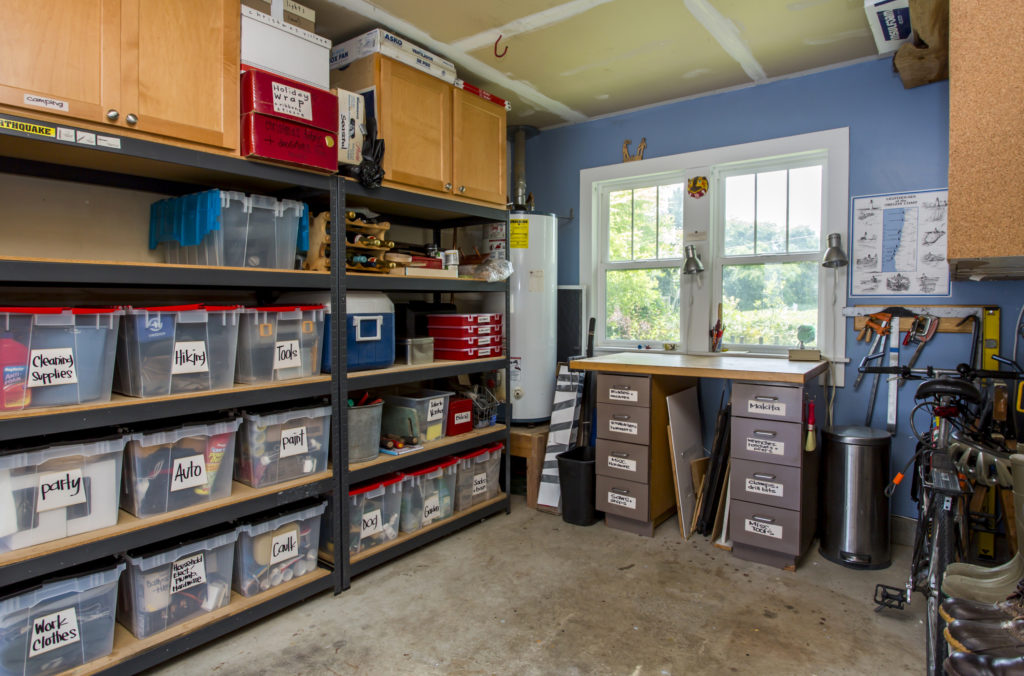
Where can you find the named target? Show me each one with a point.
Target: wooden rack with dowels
(357, 233)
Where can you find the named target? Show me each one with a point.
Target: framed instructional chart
(898, 246)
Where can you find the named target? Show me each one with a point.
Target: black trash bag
(368, 172)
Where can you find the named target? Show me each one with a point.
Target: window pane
(670, 221)
(771, 212)
(642, 304)
(805, 209)
(766, 304)
(645, 224)
(620, 225)
(739, 215)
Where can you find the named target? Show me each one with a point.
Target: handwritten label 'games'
(292, 101)
(479, 483)
(621, 427)
(774, 408)
(52, 367)
(188, 472)
(284, 546)
(53, 631)
(60, 489)
(372, 524)
(764, 487)
(766, 529)
(286, 354)
(188, 572)
(294, 442)
(766, 446)
(189, 357)
(621, 500)
(623, 395)
(621, 463)
(432, 508)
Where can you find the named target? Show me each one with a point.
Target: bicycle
(953, 446)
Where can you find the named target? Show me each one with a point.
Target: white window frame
(699, 291)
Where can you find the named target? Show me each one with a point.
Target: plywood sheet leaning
(698, 473)
(685, 446)
(564, 413)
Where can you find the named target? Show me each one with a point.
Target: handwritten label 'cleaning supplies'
(53, 631)
(52, 367)
(294, 442)
(766, 446)
(188, 572)
(188, 472)
(286, 354)
(760, 528)
(774, 408)
(284, 546)
(435, 409)
(60, 489)
(189, 357)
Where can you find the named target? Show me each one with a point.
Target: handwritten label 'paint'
(294, 442)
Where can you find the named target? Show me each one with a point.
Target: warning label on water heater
(519, 233)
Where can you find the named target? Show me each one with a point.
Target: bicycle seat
(949, 387)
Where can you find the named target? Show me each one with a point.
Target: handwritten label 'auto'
(53, 631)
(188, 472)
(286, 354)
(52, 367)
(284, 546)
(60, 489)
(294, 442)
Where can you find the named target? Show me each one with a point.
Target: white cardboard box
(351, 126)
(389, 44)
(890, 23)
(273, 45)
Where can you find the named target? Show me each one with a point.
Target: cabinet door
(416, 125)
(180, 69)
(54, 53)
(479, 149)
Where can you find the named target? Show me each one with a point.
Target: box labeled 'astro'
(890, 23)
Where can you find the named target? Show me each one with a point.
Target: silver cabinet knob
(447, 186)
(462, 188)
(130, 118)
(112, 115)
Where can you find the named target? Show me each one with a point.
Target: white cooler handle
(357, 323)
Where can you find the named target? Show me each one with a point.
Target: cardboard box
(395, 47)
(272, 94)
(271, 44)
(258, 5)
(299, 15)
(890, 23)
(351, 126)
(282, 140)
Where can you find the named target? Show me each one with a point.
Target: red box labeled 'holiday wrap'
(271, 94)
(274, 138)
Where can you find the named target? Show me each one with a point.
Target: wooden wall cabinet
(437, 137)
(162, 67)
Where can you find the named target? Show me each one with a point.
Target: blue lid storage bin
(59, 625)
(278, 548)
(371, 330)
(279, 343)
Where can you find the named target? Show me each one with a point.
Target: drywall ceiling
(568, 62)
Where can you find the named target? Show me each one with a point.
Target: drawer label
(286, 354)
(775, 408)
(435, 409)
(294, 442)
(463, 418)
(189, 357)
(284, 546)
(622, 427)
(431, 508)
(621, 500)
(484, 341)
(766, 446)
(486, 329)
(60, 489)
(52, 367)
(372, 524)
(292, 101)
(621, 463)
(764, 487)
(623, 395)
(479, 483)
(759, 528)
(53, 631)
(188, 472)
(188, 572)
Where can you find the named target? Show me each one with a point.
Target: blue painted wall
(899, 141)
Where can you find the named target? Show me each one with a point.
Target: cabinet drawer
(767, 441)
(624, 498)
(622, 461)
(769, 402)
(629, 390)
(772, 528)
(629, 424)
(765, 484)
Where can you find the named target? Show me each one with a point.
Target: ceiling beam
(543, 19)
(724, 31)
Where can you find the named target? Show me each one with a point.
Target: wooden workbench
(723, 366)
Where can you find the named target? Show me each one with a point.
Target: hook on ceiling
(504, 52)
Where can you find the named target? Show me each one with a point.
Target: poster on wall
(899, 244)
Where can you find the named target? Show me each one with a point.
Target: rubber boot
(972, 664)
(992, 588)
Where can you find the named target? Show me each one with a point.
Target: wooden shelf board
(148, 264)
(384, 459)
(405, 368)
(126, 645)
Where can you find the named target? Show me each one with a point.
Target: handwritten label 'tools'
(287, 355)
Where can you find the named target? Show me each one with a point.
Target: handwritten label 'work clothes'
(53, 631)
(435, 409)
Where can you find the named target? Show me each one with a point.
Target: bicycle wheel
(941, 556)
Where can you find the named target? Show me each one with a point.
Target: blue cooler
(371, 330)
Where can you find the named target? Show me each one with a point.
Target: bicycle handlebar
(961, 371)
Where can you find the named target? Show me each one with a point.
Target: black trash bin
(576, 478)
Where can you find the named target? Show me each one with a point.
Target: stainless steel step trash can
(855, 509)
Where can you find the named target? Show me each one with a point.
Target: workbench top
(764, 369)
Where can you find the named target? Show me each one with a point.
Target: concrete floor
(529, 594)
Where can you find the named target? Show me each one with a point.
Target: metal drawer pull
(762, 519)
(620, 417)
(620, 491)
(764, 398)
(765, 433)
(622, 387)
(619, 454)
(764, 477)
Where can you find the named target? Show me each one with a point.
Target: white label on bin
(764, 487)
(188, 472)
(373, 523)
(431, 508)
(189, 357)
(293, 442)
(188, 572)
(463, 418)
(52, 367)
(621, 427)
(435, 409)
(286, 354)
(760, 528)
(766, 446)
(621, 463)
(623, 395)
(621, 500)
(479, 483)
(292, 101)
(484, 330)
(483, 341)
(53, 631)
(60, 489)
(766, 407)
(484, 351)
(284, 546)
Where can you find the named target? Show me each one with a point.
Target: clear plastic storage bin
(218, 227)
(50, 492)
(364, 432)
(177, 468)
(435, 499)
(478, 476)
(177, 348)
(374, 513)
(279, 343)
(166, 585)
(56, 356)
(60, 624)
(429, 409)
(282, 446)
(277, 548)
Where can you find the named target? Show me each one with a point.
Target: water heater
(533, 250)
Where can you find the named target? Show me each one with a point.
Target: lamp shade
(834, 255)
(692, 264)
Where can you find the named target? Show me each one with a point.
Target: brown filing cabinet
(772, 479)
(633, 466)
